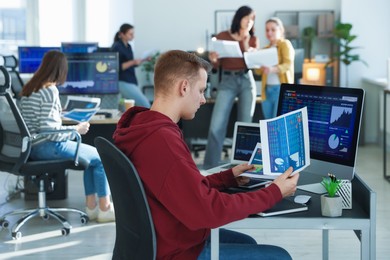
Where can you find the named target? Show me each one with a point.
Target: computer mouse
(302, 199)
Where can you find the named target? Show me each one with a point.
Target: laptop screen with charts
(245, 138)
(334, 115)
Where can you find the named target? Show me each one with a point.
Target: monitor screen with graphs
(91, 73)
(30, 57)
(334, 115)
(79, 47)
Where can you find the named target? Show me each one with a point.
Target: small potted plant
(148, 67)
(331, 203)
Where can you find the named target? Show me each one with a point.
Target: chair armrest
(78, 139)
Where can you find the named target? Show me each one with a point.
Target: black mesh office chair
(135, 236)
(15, 146)
(11, 63)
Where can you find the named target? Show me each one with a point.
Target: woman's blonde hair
(278, 22)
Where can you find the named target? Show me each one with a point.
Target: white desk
(361, 218)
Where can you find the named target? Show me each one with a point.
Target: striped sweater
(42, 112)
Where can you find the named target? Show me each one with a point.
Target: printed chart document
(226, 49)
(283, 207)
(73, 102)
(80, 109)
(80, 115)
(257, 161)
(265, 57)
(285, 142)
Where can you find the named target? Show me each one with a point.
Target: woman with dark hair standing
(41, 110)
(128, 84)
(237, 82)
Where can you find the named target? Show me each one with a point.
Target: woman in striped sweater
(41, 110)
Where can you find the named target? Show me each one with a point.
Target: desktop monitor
(79, 47)
(91, 73)
(334, 115)
(30, 57)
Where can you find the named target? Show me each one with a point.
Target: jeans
(234, 245)
(132, 91)
(244, 88)
(95, 180)
(270, 104)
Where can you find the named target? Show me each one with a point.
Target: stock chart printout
(285, 142)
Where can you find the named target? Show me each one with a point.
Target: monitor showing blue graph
(79, 47)
(91, 73)
(334, 118)
(30, 57)
(334, 115)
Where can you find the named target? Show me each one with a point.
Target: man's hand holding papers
(285, 143)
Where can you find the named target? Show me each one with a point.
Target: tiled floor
(43, 240)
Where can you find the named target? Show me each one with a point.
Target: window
(12, 25)
(54, 26)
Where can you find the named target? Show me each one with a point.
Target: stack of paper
(265, 57)
(253, 59)
(226, 49)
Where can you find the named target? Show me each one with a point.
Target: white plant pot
(331, 206)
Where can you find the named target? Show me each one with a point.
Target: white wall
(182, 24)
(78, 20)
(104, 17)
(370, 20)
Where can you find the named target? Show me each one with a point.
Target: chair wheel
(46, 216)
(17, 235)
(84, 219)
(65, 231)
(4, 223)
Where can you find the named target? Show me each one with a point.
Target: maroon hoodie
(184, 204)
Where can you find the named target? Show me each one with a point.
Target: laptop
(334, 115)
(245, 137)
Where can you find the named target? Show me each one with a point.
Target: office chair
(11, 63)
(15, 147)
(135, 236)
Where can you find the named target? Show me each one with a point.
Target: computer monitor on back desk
(334, 115)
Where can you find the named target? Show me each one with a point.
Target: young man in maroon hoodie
(184, 204)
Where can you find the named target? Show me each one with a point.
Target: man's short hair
(176, 65)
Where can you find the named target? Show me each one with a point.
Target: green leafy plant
(148, 66)
(331, 184)
(342, 38)
(308, 35)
